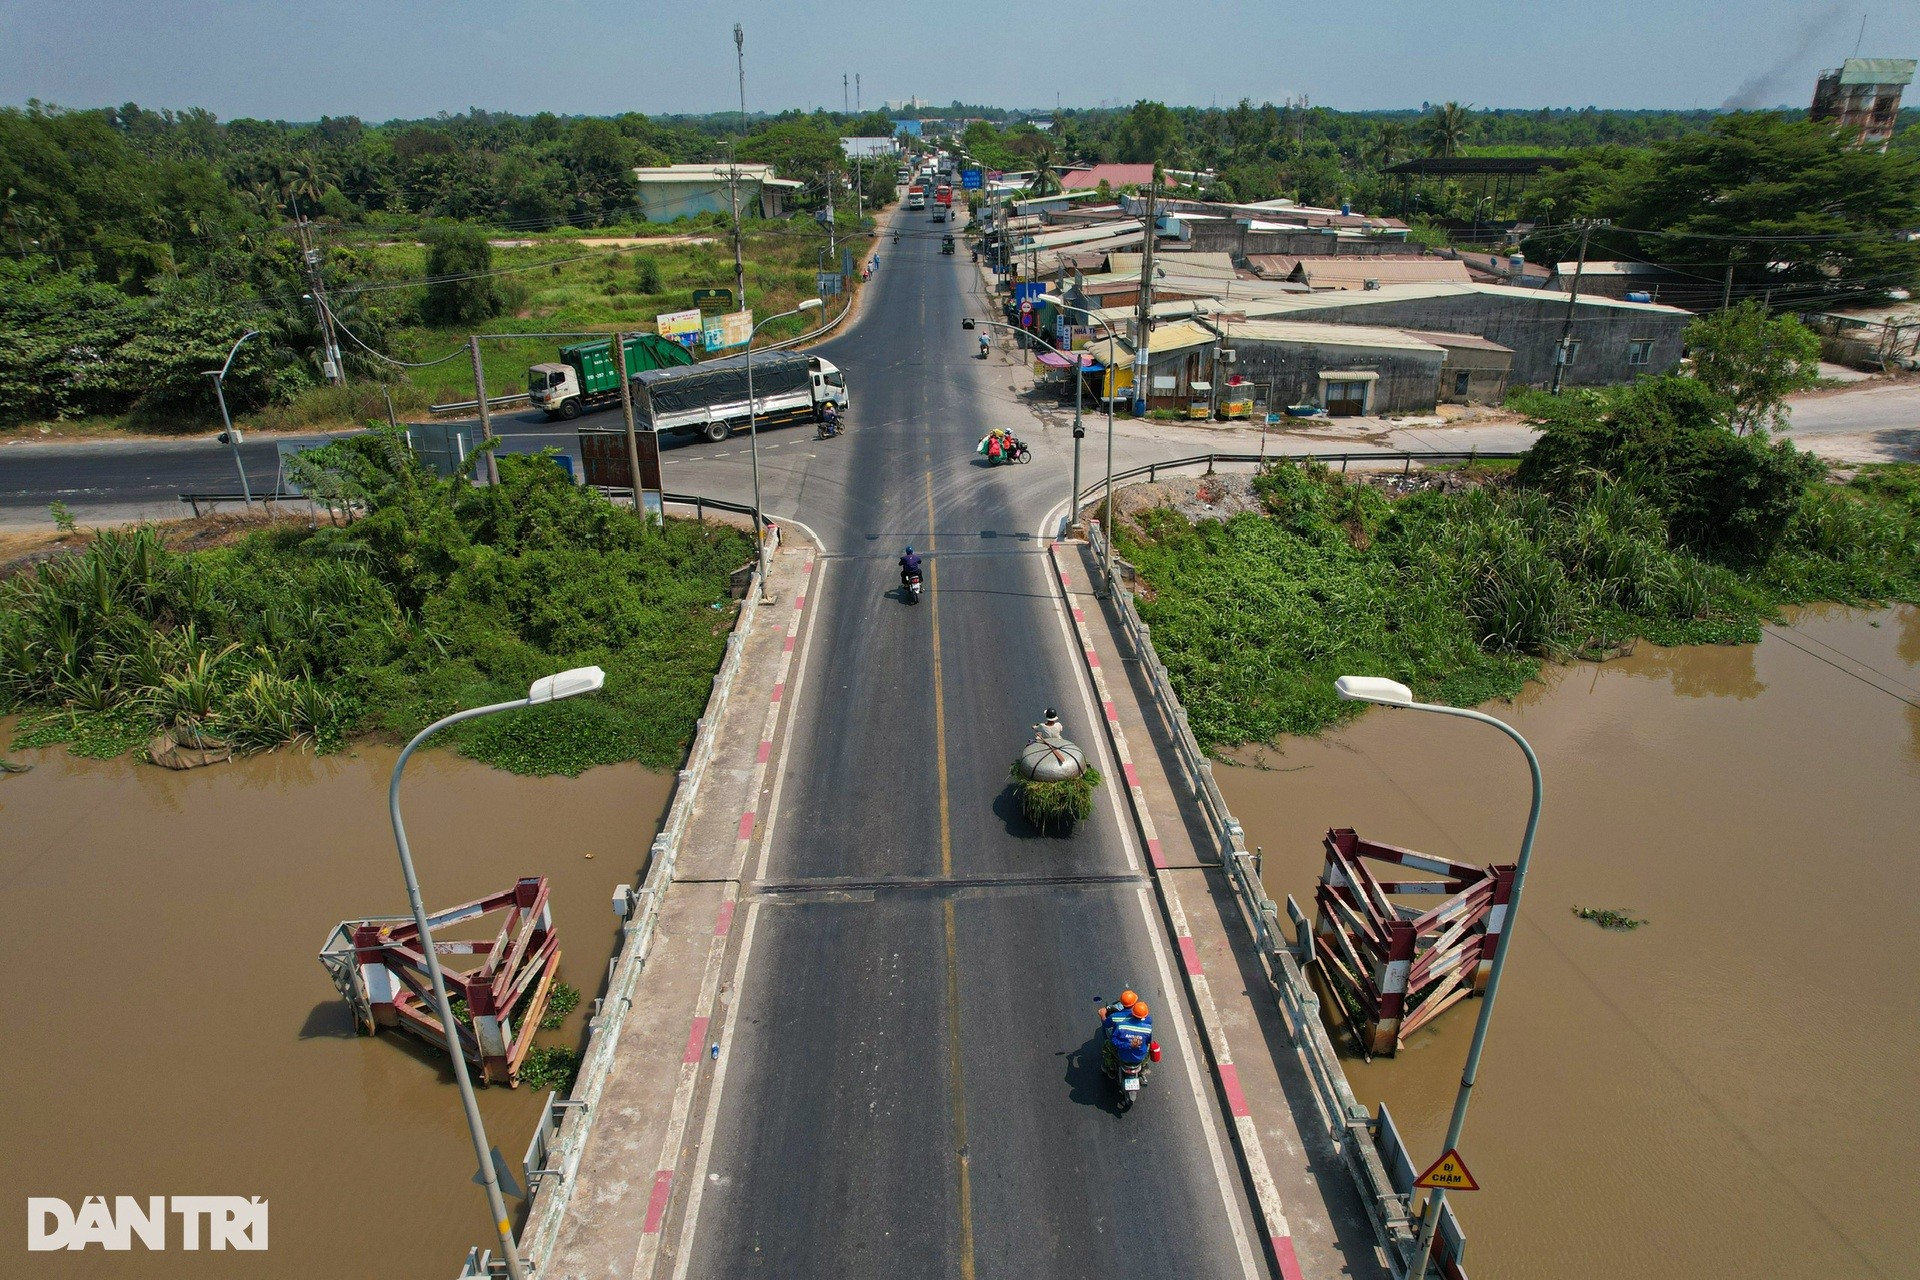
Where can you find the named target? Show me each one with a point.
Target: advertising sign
(678, 325)
(730, 330)
(712, 302)
(970, 179)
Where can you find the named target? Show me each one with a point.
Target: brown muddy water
(1730, 1089)
(168, 1030)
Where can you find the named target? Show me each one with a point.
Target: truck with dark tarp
(710, 399)
(586, 377)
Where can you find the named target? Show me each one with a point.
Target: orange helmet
(1140, 1008)
(1129, 998)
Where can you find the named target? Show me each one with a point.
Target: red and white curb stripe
(660, 1198)
(1279, 1234)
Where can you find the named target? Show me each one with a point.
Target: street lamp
(566, 684)
(753, 440)
(230, 436)
(1391, 693)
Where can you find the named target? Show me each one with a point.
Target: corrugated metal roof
(1877, 71)
(1461, 340)
(1354, 272)
(1328, 335)
(1216, 264)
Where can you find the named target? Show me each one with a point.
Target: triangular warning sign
(1448, 1173)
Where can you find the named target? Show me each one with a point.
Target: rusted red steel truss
(1398, 966)
(381, 970)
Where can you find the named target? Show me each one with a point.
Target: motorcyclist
(983, 346)
(896, 237)
(909, 566)
(1126, 1033)
(830, 418)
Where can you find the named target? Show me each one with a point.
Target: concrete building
(1613, 341)
(1861, 97)
(681, 190)
(1476, 370)
(1346, 369)
(1116, 176)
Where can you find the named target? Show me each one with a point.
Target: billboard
(730, 330)
(712, 302)
(679, 326)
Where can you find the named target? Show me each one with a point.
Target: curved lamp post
(1391, 693)
(753, 439)
(232, 437)
(567, 684)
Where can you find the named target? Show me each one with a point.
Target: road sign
(827, 283)
(1026, 306)
(713, 302)
(970, 180)
(1448, 1173)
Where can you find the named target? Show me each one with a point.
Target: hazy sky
(409, 58)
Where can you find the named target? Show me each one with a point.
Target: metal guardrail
(214, 499)
(564, 1149)
(1347, 1122)
(493, 402)
(1406, 459)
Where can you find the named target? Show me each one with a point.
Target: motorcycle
(983, 348)
(829, 424)
(1128, 1076)
(912, 583)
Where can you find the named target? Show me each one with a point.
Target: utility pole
(1573, 296)
(486, 416)
(310, 257)
(856, 94)
(833, 243)
(843, 93)
(1726, 289)
(1143, 320)
(626, 412)
(733, 170)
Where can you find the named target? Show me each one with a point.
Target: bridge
(851, 1031)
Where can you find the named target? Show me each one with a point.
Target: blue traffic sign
(970, 180)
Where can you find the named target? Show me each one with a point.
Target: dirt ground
(20, 552)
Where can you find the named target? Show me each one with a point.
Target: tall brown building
(1862, 97)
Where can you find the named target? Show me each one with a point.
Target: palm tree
(1389, 140)
(1446, 129)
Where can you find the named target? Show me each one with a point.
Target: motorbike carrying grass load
(1054, 782)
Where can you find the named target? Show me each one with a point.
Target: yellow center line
(956, 1077)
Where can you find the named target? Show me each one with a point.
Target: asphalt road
(913, 1084)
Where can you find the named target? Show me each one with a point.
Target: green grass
(1461, 596)
(441, 597)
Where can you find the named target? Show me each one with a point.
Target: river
(168, 1030)
(1727, 1090)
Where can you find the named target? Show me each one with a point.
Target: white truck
(710, 399)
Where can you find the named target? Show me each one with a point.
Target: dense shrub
(1460, 595)
(441, 597)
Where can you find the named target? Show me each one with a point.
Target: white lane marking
(684, 1240)
(793, 712)
(1096, 720)
(1156, 934)
(1199, 1081)
(720, 455)
(1050, 527)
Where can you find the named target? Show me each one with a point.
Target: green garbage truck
(586, 378)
